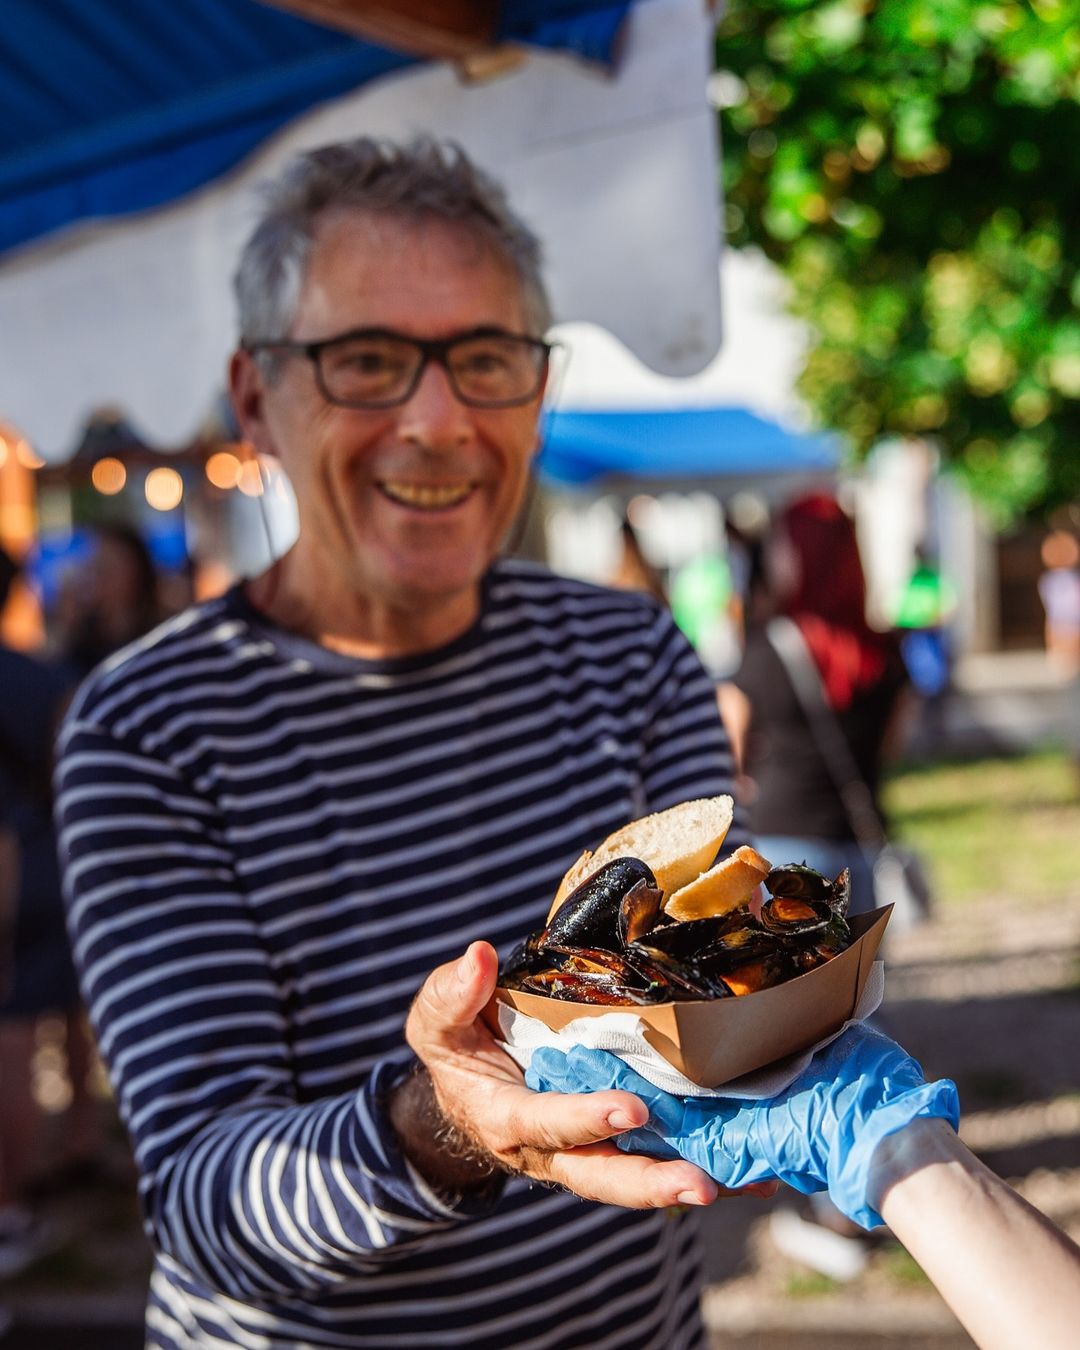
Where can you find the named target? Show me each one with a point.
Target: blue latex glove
(819, 1134)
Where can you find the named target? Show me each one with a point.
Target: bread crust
(678, 844)
(725, 887)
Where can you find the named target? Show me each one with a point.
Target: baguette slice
(723, 888)
(678, 844)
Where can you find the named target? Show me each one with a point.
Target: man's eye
(485, 362)
(369, 362)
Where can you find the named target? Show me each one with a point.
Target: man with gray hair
(286, 808)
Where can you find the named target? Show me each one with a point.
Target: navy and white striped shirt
(267, 847)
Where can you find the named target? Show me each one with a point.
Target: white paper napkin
(623, 1034)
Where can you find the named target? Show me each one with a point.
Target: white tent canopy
(756, 369)
(617, 173)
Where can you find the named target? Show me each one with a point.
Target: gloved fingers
(648, 1142)
(596, 1069)
(549, 1071)
(580, 1069)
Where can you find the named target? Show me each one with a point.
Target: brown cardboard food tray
(714, 1041)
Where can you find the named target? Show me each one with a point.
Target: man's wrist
(449, 1159)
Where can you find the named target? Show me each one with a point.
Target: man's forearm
(1010, 1276)
(444, 1156)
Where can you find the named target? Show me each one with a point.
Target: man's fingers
(551, 1121)
(601, 1172)
(453, 995)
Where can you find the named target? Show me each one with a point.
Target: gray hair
(425, 180)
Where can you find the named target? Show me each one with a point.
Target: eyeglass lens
(379, 368)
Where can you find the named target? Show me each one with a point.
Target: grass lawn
(1006, 826)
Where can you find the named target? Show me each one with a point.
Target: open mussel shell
(595, 961)
(799, 882)
(610, 942)
(841, 893)
(677, 979)
(789, 917)
(593, 915)
(590, 987)
(638, 910)
(752, 976)
(687, 939)
(745, 943)
(834, 938)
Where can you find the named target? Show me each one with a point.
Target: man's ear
(247, 392)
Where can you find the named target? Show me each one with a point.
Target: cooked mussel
(619, 898)
(581, 987)
(611, 943)
(753, 976)
(841, 893)
(680, 979)
(687, 939)
(796, 881)
(790, 917)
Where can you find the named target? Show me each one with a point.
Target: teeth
(414, 494)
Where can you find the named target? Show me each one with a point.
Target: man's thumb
(460, 989)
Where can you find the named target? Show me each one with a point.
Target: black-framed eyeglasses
(372, 368)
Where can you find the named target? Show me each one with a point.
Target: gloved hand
(820, 1133)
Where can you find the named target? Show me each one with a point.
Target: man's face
(405, 506)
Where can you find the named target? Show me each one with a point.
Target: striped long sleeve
(244, 1184)
(267, 846)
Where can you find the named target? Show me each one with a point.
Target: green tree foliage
(914, 168)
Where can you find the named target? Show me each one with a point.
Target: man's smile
(426, 496)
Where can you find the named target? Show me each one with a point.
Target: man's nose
(433, 414)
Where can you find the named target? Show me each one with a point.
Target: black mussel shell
(807, 958)
(841, 893)
(590, 914)
(753, 976)
(638, 910)
(687, 939)
(745, 943)
(579, 987)
(834, 938)
(791, 917)
(521, 960)
(679, 979)
(595, 961)
(798, 882)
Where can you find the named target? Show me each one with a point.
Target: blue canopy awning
(111, 106)
(679, 443)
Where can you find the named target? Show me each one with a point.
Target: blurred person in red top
(816, 581)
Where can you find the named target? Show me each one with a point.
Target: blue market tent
(133, 139)
(584, 448)
(111, 106)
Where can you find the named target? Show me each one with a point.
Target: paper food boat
(716, 1040)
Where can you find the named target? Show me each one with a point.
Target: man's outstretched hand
(470, 1114)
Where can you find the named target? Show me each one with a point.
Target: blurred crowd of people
(103, 604)
(815, 700)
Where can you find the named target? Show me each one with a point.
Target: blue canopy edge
(585, 447)
(111, 107)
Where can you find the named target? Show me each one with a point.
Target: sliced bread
(678, 844)
(725, 887)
